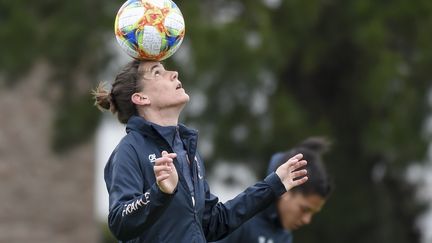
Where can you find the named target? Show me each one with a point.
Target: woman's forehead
(147, 66)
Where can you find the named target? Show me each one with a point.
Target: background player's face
(296, 210)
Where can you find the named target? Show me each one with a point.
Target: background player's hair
(312, 149)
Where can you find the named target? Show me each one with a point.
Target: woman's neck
(162, 117)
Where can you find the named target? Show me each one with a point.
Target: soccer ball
(149, 29)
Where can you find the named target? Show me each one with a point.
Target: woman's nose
(174, 75)
(307, 219)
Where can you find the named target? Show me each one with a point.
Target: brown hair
(118, 100)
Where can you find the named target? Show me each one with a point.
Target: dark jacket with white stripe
(140, 212)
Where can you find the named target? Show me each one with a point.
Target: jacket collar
(270, 214)
(149, 129)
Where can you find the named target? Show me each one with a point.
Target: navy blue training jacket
(140, 212)
(263, 228)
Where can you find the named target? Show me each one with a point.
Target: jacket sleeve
(221, 219)
(132, 210)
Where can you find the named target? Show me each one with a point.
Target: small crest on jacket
(152, 158)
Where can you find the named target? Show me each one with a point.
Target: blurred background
(262, 76)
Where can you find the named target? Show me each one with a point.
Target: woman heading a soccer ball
(156, 178)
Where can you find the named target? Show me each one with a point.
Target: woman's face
(161, 86)
(296, 209)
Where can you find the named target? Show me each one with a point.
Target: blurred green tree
(269, 73)
(355, 71)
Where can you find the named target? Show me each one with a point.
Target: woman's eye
(157, 73)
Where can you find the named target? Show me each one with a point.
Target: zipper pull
(193, 201)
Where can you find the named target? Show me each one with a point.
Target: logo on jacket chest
(262, 239)
(152, 158)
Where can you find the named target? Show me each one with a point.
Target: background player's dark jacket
(266, 226)
(140, 212)
(263, 228)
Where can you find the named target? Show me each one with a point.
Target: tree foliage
(355, 71)
(70, 36)
(269, 74)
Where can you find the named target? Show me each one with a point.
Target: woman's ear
(140, 99)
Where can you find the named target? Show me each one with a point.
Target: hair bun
(316, 144)
(102, 97)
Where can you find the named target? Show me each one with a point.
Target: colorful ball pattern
(149, 29)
